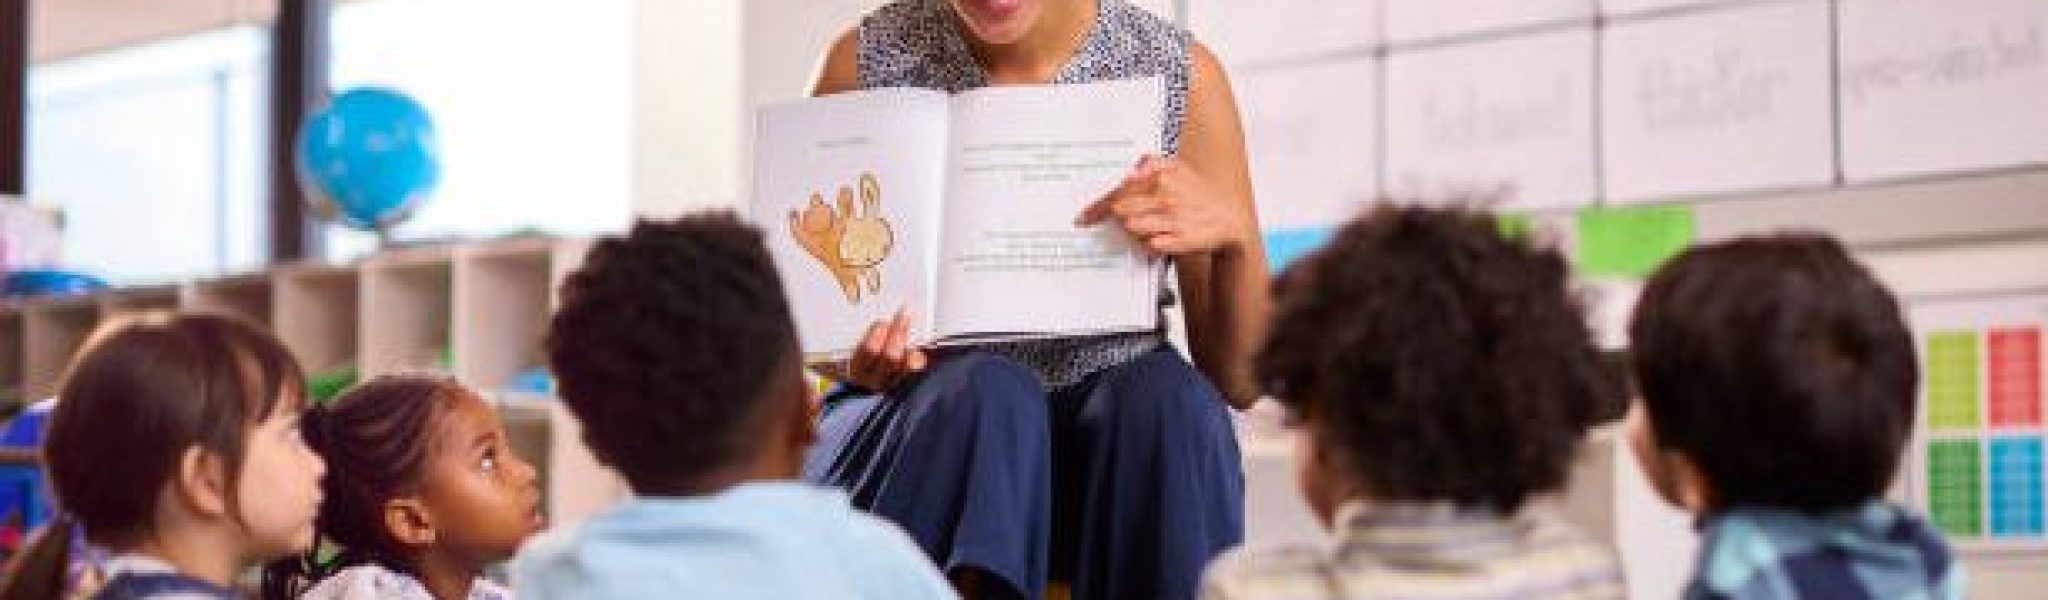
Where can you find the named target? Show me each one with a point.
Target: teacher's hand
(1172, 210)
(884, 359)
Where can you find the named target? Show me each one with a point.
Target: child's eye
(489, 464)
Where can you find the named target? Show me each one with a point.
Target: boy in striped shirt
(1439, 375)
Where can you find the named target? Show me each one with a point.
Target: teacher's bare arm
(840, 71)
(1225, 291)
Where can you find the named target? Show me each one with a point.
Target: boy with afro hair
(1439, 376)
(674, 347)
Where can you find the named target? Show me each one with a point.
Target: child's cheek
(302, 480)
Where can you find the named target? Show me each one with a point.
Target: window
(530, 100)
(156, 155)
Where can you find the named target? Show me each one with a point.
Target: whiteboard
(1309, 133)
(1513, 115)
(1691, 106)
(1625, 7)
(1421, 20)
(1928, 88)
(1246, 31)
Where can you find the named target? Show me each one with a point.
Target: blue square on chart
(2015, 482)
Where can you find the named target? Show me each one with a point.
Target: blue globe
(368, 158)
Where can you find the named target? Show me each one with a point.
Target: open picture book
(958, 207)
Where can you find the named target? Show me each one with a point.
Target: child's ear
(201, 482)
(1316, 477)
(801, 422)
(1691, 488)
(409, 522)
(1671, 473)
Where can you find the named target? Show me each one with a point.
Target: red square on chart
(2013, 375)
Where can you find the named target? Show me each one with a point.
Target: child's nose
(524, 473)
(319, 464)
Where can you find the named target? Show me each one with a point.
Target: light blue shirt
(757, 540)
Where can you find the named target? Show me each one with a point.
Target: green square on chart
(1953, 389)
(1955, 487)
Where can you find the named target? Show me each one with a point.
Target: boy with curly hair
(1439, 376)
(675, 349)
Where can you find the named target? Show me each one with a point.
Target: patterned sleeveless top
(914, 43)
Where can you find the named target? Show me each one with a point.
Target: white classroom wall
(1679, 111)
(686, 104)
(1897, 125)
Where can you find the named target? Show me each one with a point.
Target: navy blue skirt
(1125, 485)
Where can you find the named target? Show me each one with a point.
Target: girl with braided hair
(422, 493)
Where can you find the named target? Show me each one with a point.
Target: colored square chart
(2015, 486)
(1955, 492)
(2013, 376)
(1952, 380)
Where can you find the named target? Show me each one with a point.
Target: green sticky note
(1631, 241)
(1514, 225)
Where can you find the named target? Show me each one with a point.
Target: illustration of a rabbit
(851, 243)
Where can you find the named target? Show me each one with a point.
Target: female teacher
(1105, 463)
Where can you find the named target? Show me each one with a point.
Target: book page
(1026, 161)
(847, 191)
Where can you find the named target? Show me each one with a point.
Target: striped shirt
(133, 576)
(1426, 552)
